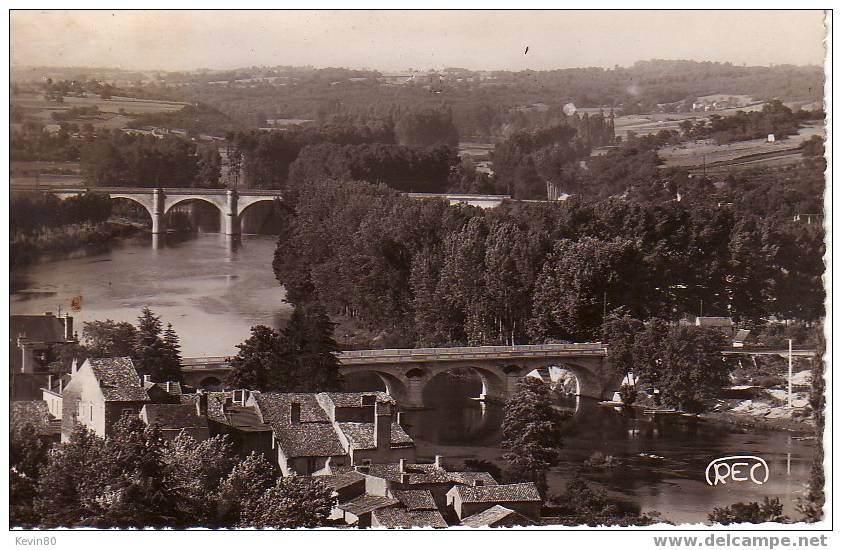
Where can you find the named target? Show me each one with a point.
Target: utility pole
(790, 374)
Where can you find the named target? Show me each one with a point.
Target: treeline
(532, 272)
(138, 479)
(493, 104)
(774, 118)
(375, 148)
(33, 142)
(399, 167)
(119, 159)
(31, 213)
(526, 161)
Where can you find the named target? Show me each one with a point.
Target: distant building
(36, 343)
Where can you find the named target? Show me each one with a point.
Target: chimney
(295, 413)
(402, 464)
(147, 378)
(383, 426)
(60, 385)
(478, 483)
(74, 366)
(168, 386)
(404, 479)
(68, 327)
(50, 382)
(440, 462)
(202, 403)
(399, 418)
(362, 468)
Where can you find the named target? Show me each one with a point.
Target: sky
(397, 40)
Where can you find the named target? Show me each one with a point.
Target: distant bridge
(406, 372)
(231, 203)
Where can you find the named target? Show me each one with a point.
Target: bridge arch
(187, 198)
(146, 205)
(255, 212)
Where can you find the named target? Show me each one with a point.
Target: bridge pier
(230, 218)
(159, 219)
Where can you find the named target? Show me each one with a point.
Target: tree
(69, 483)
(259, 363)
(581, 504)
(618, 333)
(133, 487)
(293, 502)
(309, 349)
(109, 338)
(27, 453)
(172, 354)
(196, 471)
(153, 356)
(578, 280)
(684, 362)
(811, 505)
(428, 128)
(242, 488)
(532, 431)
(770, 510)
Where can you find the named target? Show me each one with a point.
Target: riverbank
(744, 420)
(28, 247)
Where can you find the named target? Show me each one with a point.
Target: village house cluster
(355, 442)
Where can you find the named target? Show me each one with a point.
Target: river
(213, 289)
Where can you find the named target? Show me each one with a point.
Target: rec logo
(737, 469)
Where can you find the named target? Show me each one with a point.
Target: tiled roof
(401, 518)
(427, 473)
(274, 407)
(515, 492)
(355, 399)
(416, 499)
(361, 435)
(496, 515)
(338, 481)
(313, 436)
(366, 503)
(118, 379)
(174, 416)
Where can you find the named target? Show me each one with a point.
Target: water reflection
(660, 460)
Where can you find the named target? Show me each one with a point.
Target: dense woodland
(533, 272)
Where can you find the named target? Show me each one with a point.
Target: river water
(213, 289)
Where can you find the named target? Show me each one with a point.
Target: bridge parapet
(409, 355)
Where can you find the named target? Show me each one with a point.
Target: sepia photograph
(419, 269)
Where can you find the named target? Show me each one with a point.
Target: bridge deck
(409, 355)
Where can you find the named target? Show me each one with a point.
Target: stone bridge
(231, 203)
(406, 372)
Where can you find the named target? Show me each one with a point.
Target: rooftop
(339, 481)
(118, 379)
(496, 515)
(174, 416)
(515, 492)
(427, 473)
(416, 499)
(39, 328)
(401, 518)
(364, 504)
(361, 435)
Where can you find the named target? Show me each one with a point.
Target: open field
(114, 112)
(707, 155)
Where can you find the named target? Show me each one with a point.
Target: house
(99, 393)
(104, 389)
(36, 343)
(176, 418)
(227, 415)
(497, 516)
(522, 498)
(392, 479)
(358, 511)
(316, 434)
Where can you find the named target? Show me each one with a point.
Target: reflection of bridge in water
(406, 372)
